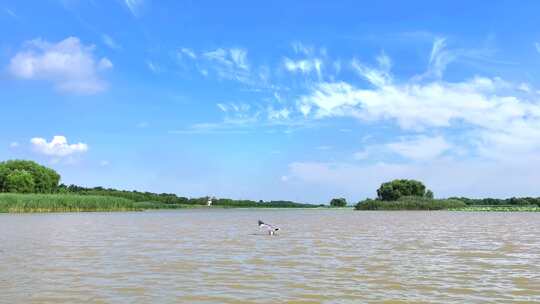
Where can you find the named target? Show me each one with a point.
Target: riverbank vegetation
(162, 200)
(23, 176)
(410, 203)
(26, 186)
(338, 202)
(17, 203)
(413, 195)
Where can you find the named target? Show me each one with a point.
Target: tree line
(24, 176)
(173, 199)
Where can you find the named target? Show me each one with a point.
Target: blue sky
(299, 100)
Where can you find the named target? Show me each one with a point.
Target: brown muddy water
(220, 256)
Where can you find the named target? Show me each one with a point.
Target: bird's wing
(267, 226)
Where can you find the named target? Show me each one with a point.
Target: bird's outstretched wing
(267, 226)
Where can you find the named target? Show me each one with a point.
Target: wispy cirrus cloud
(70, 65)
(229, 63)
(134, 6)
(11, 13)
(153, 67)
(110, 42)
(308, 60)
(304, 66)
(224, 64)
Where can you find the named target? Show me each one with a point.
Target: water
(320, 256)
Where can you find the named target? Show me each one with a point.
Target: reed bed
(19, 203)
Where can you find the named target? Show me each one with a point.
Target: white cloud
(57, 147)
(68, 64)
(110, 42)
(421, 147)
(134, 6)
(235, 58)
(278, 114)
(222, 107)
(143, 124)
(377, 77)
(498, 121)
(14, 145)
(104, 163)
(440, 58)
(304, 66)
(524, 87)
(300, 48)
(188, 52)
(230, 64)
(104, 64)
(239, 57)
(537, 47)
(153, 67)
(11, 13)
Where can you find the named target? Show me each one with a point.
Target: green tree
(338, 202)
(429, 194)
(391, 191)
(45, 179)
(19, 181)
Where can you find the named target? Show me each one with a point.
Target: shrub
(45, 180)
(338, 202)
(19, 181)
(391, 191)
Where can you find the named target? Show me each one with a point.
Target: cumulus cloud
(68, 64)
(57, 147)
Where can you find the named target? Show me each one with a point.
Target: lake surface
(220, 256)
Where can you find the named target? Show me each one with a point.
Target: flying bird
(270, 228)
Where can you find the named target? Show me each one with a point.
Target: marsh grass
(19, 203)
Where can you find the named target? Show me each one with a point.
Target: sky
(294, 100)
